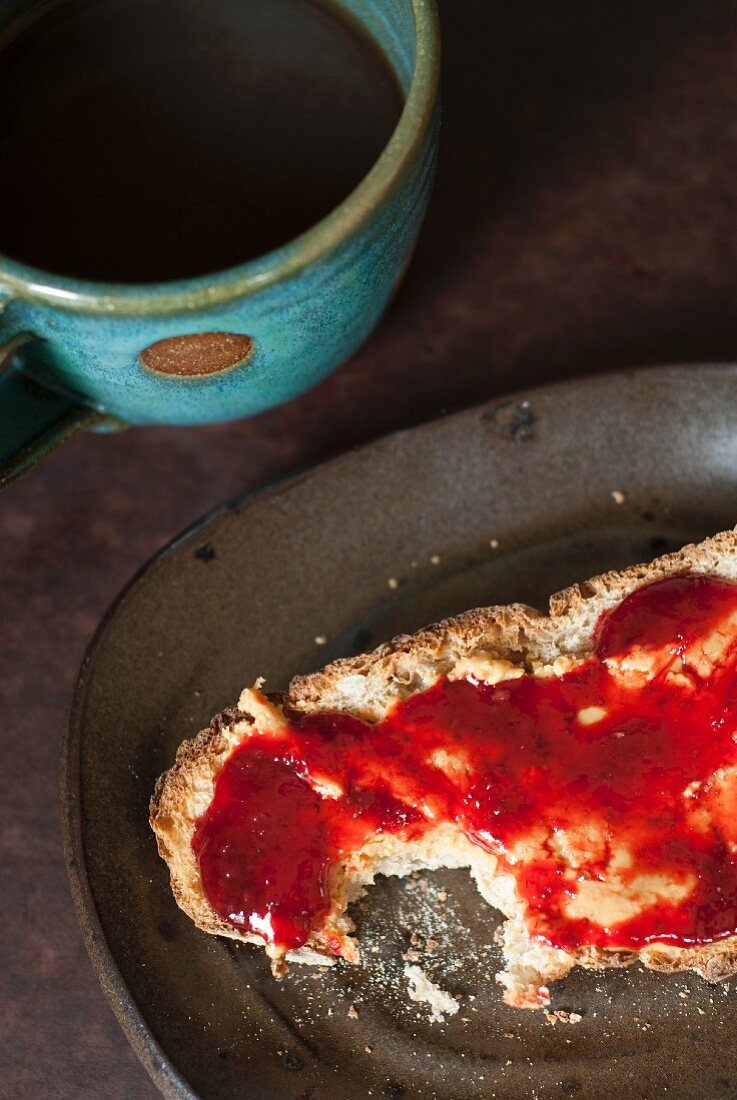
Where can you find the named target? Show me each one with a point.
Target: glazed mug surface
(75, 353)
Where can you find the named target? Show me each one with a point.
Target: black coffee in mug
(147, 140)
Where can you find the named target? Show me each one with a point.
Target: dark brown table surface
(585, 218)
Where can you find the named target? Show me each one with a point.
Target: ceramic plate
(509, 501)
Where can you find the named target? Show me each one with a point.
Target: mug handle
(33, 419)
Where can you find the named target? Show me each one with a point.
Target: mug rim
(199, 292)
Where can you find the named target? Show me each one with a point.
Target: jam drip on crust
(609, 791)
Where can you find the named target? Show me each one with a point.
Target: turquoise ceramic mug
(76, 353)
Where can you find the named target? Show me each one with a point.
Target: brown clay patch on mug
(197, 355)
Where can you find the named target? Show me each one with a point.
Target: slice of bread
(491, 644)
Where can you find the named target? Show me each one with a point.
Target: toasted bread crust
(367, 686)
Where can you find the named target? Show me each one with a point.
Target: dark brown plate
(245, 593)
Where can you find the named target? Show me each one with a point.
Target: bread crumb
(393, 582)
(618, 496)
(564, 1017)
(369, 1050)
(352, 1013)
(320, 639)
(435, 559)
(421, 989)
(494, 544)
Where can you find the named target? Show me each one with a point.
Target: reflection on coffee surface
(158, 139)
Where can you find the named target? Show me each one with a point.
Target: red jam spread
(609, 791)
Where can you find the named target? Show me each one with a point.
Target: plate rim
(155, 1060)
